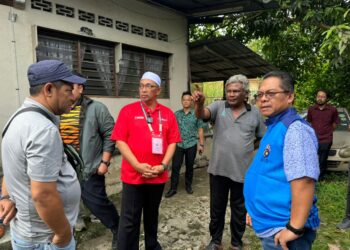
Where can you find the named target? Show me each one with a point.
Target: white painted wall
(18, 41)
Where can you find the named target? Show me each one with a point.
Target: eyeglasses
(269, 94)
(147, 86)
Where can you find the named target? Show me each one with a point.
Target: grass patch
(331, 194)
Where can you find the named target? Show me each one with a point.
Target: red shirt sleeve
(120, 130)
(335, 117)
(309, 116)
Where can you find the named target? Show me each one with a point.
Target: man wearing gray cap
(146, 133)
(238, 126)
(40, 182)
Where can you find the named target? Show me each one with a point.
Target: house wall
(19, 39)
(18, 45)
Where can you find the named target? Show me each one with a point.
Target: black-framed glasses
(269, 94)
(147, 86)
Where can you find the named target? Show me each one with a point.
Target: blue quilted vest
(266, 190)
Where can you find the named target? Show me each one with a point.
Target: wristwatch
(297, 231)
(165, 167)
(5, 197)
(106, 162)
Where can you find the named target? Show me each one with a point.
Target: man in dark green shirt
(190, 126)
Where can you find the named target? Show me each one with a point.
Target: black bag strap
(34, 109)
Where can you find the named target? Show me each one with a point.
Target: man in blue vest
(279, 187)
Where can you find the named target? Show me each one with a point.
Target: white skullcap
(151, 76)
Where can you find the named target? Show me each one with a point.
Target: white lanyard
(149, 120)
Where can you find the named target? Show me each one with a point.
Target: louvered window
(95, 59)
(92, 58)
(135, 61)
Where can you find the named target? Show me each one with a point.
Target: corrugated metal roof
(218, 59)
(203, 8)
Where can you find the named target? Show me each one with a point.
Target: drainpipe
(189, 78)
(13, 18)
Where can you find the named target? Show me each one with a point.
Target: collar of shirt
(29, 102)
(326, 107)
(149, 111)
(247, 106)
(191, 111)
(276, 118)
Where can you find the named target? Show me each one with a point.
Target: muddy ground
(183, 221)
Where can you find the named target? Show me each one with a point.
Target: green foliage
(331, 194)
(308, 38)
(212, 90)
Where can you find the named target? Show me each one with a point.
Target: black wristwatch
(5, 197)
(165, 167)
(296, 231)
(106, 162)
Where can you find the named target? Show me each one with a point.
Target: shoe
(213, 246)
(170, 193)
(94, 219)
(80, 225)
(345, 224)
(189, 190)
(232, 247)
(115, 239)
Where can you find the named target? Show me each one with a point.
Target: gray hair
(242, 79)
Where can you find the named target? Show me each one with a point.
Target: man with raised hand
(238, 127)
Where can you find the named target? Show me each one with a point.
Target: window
(93, 58)
(135, 61)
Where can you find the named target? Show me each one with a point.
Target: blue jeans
(302, 243)
(18, 244)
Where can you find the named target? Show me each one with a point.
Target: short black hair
(287, 81)
(324, 91)
(35, 90)
(186, 93)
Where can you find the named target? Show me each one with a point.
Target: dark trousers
(347, 213)
(323, 151)
(135, 199)
(180, 153)
(304, 242)
(93, 192)
(219, 190)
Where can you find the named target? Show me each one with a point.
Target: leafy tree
(308, 38)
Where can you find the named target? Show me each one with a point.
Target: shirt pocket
(247, 128)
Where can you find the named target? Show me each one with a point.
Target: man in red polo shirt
(324, 119)
(146, 134)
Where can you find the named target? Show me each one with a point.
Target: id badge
(157, 144)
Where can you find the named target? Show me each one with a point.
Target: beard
(321, 102)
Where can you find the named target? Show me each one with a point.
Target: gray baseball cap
(50, 71)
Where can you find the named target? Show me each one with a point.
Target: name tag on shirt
(157, 144)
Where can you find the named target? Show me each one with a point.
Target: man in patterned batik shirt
(190, 126)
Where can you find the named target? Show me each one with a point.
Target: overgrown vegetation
(308, 38)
